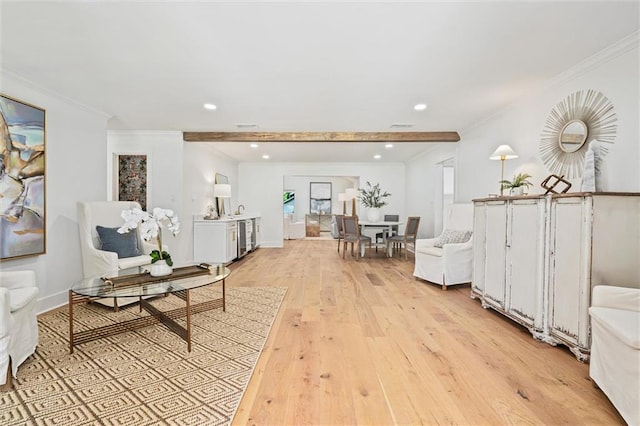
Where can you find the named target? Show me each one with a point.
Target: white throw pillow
(452, 236)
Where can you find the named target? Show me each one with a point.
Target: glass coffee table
(137, 282)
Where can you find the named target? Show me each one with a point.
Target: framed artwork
(320, 198)
(22, 179)
(132, 178)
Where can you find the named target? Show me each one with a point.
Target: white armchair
(452, 263)
(96, 261)
(293, 230)
(615, 347)
(18, 322)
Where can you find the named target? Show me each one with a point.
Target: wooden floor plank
(363, 342)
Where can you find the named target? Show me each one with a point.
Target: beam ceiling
(321, 136)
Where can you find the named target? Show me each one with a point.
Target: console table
(138, 283)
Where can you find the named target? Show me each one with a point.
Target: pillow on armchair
(452, 236)
(124, 245)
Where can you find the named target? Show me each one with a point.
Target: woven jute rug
(144, 377)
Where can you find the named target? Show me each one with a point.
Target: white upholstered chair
(615, 347)
(292, 230)
(96, 261)
(451, 263)
(18, 322)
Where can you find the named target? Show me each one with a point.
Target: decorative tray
(146, 278)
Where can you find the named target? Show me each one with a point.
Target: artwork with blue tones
(22, 179)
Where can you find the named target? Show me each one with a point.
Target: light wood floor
(366, 343)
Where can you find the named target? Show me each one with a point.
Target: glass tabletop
(99, 287)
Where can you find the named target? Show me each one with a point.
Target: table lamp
(503, 152)
(352, 194)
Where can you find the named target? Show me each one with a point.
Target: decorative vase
(160, 269)
(373, 215)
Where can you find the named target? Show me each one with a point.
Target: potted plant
(151, 228)
(517, 185)
(372, 197)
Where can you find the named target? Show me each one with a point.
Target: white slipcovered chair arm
(425, 242)
(17, 279)
(624, 298)
(5, 321)
(5, 311)
(97, 261)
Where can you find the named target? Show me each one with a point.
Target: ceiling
(303, 66)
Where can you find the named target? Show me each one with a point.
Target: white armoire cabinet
(509, 258)
(595, 239)
(537, 258)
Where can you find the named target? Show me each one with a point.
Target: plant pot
(160, 269)
(373, 215)
(518, 190)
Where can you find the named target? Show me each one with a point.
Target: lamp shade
(342, 196)
(503, 152)
(351, 193)
(222, 190)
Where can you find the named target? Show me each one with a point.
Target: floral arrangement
(372, 196)
(151, 228)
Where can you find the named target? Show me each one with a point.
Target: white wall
(181, 177)
(521, 126)
(201, 163)
(613, 72)
(75, 171)
(424, 183)
(261, 186)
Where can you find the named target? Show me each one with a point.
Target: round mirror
(572, 136)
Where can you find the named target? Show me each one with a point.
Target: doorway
(445, 193)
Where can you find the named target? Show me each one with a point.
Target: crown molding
(28, 83)
(607, 54)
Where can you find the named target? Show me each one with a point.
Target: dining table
(380, 224)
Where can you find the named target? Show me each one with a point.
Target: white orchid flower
(150, 225)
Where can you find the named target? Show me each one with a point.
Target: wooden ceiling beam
(320, 136)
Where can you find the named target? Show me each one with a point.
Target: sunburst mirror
(578, 119)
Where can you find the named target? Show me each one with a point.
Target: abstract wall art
(22, 179)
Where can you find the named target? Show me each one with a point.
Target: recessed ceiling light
(265, 156)
(388, 145)
(254, 145)
(377, 156)
(209, 106)
(420, 107)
